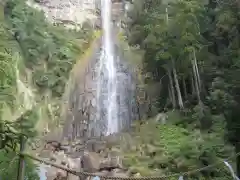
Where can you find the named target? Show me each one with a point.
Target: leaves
(11, 132)
(9, 164)
(202, 39)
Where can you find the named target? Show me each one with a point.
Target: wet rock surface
(85, 109)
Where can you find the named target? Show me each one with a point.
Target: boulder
(102, 173)
(49, 147)
(78, 142)
(44, 153)
(76, 154)
(53, 158)
(74, 164)
(60, 176)
(79, 148)
(90, 162)
(161, 118)
(56, 174)
(66, 148)
(65, 141)
(95, 146)
(110, 163)
(53, 146)
(137, 175)
(61, 158)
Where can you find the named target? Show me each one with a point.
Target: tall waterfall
(107, 110)
(102, 100)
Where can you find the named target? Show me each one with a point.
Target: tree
(198, 49)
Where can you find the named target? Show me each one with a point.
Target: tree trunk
(166, 11)
(185, 89)
(172, 88)
(237, 150)
(175, 75)
(193, 86)
(196, 69)
(196, 81)
(200, 103)
(180, 101)
(170, 94)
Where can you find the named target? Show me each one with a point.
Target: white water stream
(107, 110)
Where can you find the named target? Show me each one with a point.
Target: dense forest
(191, 49)
(36, 58)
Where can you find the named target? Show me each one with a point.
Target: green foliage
(36, 54)
(165, 149)
(9, 165)
(9, 56)
(11, 132)
(7, 67)
(200, 41)
(49, 51)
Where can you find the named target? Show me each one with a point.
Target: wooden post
(21, 165)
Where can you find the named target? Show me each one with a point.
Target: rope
(79, 173)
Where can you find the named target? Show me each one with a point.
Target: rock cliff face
(71, 13)
(81, 95)
(80, 115)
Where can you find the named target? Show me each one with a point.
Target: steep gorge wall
(133, 59)
(81, 117)
(80, 101)
(80, 98)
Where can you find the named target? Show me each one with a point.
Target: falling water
(110, 108)
(107, 86)
(231, 170)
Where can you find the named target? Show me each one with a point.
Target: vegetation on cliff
(191, 53)
(36, 58)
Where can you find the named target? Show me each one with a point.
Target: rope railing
(80, 173)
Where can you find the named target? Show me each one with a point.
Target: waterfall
(107, 110)
(115, 87)
(102, 102)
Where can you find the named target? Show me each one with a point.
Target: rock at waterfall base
(90, 162)
(110, 164)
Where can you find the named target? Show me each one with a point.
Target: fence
(80, 174)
